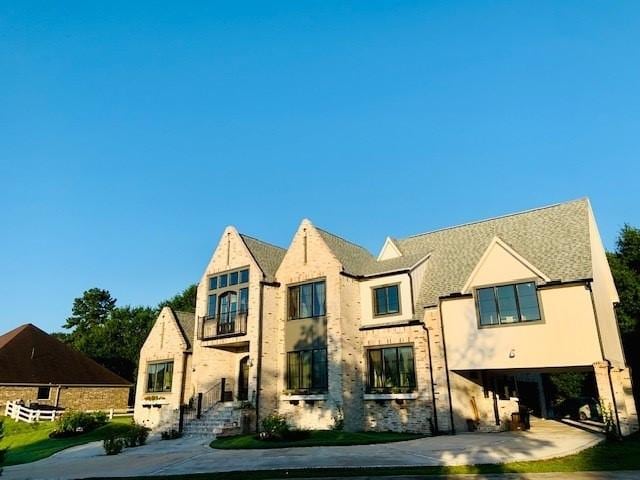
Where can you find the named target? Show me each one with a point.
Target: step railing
(205, 401)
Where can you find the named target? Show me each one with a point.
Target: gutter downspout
(433, 390)
(446, 367)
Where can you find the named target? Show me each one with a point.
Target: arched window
(227, 312)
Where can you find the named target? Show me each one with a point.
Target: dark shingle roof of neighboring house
(555, 239)
(266, 255)
(187, 324)
(30, 356)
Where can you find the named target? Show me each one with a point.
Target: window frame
(159, 362)
(514, 285)
(369, 388)
(298, 285)
(312, 388)
(48, 397)
(374, 299)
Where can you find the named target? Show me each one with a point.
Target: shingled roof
(187, 324)
(555, 239)
(269, 257)
(30, 356)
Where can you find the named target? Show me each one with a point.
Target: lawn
(623, 455)
(28, 442)
(316, 438)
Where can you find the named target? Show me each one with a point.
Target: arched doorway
(243, 379)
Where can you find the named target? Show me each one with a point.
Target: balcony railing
(225, 324)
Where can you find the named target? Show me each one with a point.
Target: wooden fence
(21, 413)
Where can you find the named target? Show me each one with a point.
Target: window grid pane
(213, 283)
(244, 276)
(393, 305)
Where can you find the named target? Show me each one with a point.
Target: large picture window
(391, 370)
(506, 304)
(307, 300)
(386, 300)
(159, 376)
(307, 370)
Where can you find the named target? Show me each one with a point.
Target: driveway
(547, 439)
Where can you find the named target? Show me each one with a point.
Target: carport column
(614, 390)
(439, 370)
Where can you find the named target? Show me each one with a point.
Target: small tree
(2, 451)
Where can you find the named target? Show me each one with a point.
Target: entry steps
(221, 419)
(588, 425)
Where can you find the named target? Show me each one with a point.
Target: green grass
(623, 455)
(28, 442)
(317, 438)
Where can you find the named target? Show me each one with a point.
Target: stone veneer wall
(71, 398)
(619, 399)
(402, 415)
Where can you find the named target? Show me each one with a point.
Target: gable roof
(187, 325)
(555, 239)
(30, 356)
(268, 257)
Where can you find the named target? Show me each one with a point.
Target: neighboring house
(441, 332)
(164, 373)
(37, 368)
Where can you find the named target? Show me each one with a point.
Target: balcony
(228, 324)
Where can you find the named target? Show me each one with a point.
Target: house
(37, 368)
(441, 332)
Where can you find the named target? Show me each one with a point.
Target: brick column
(615, 391)
(438, 365)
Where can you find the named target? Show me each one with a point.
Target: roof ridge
(244, 235)
(345, 240)
(498, 217)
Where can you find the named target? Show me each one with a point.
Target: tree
(91, 309)
(625, 267)
(185, 301)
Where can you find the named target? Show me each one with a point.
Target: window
(386, 300)
(505, 304)
(213, 283)
(44, 393)
(244, 300)
(391, 369)
(228, 308)
(244, 276)
(307, 370)
(307, 300)
(159, 376)
(223, 281)
(233, 278)
(211, 308)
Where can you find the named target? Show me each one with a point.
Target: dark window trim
(228, 273)
(535, 321)
(370, 388)
(312, 389)
(374, 303)
(158, 362)
(307, 282)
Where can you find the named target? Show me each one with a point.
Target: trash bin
(524, 414)
(516, 421)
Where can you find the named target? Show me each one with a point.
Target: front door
(243, 379)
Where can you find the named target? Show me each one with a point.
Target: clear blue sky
(132, 133)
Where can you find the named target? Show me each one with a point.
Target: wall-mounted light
(512, 353)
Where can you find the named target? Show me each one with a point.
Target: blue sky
(132, 133)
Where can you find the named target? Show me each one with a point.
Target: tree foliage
(185, 301)
(625, 267)
(113, 335)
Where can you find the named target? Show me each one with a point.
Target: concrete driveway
(547, 439)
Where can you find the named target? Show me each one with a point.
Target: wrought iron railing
(229, 323)
(199, 404)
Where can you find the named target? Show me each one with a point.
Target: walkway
(547, 439)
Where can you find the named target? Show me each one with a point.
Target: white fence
(20, 413)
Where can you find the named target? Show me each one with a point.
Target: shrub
(3, 451)
(170, 434)
(74, 423)
(274, 427)
(137, 435)
(113, 446)
(338, 421)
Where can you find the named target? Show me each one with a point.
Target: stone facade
(70, 397)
